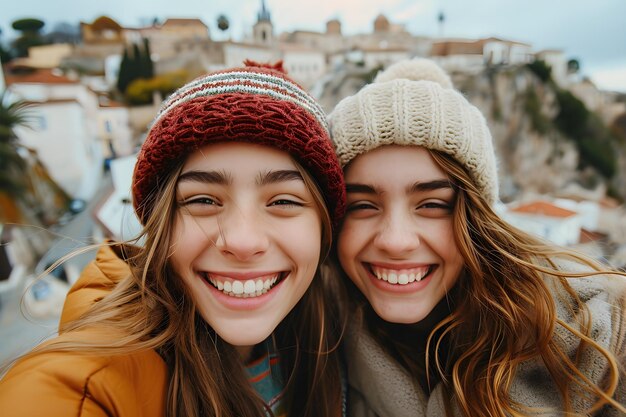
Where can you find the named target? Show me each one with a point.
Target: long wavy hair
(152, 309)
(501, 313)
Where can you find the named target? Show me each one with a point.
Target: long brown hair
(151, 309)
(502, 313)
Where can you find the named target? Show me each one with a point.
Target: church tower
(263, 30)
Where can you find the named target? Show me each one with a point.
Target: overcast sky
(593, 31)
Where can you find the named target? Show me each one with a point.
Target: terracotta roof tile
(543, 208)
(39, 76)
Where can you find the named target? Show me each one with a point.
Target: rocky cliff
(547, 140)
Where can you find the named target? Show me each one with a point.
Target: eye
(360, 205)
(199, 205)
(204, 200)
(285, 202)
(361, 209)
(434, 208)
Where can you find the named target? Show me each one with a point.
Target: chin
(239, 336)
(397, 316)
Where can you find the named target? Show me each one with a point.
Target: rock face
(534, 155)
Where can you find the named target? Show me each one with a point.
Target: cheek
(348, 244)
(301, 239)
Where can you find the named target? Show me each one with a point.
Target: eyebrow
(429, 186)
(416, 187)
(282, 175)
(222, 178)
(213, 177)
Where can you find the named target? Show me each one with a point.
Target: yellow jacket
(73, 384)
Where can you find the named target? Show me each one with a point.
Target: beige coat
(379, 387)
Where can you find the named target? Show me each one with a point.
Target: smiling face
(397, 242)
(246, 238)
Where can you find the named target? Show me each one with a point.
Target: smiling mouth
(401, 276)
(248, 288)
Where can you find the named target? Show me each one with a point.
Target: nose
(242, 235)
(397, 235)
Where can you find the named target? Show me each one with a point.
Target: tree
(28, 25)
(30, 36)
(136, 63)
(123, 76)
(12, 166)
(147, 66)
(541, 69)
(222, 23)
(573, 66)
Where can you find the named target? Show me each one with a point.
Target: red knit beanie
(256, 104)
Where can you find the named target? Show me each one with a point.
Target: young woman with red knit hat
(456, 312)
(219, 311)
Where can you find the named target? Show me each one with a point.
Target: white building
(235, 53)
(546, 220)
(65, 131)
(116, 214)
(114, 129)
(303, 64)
(589, 211)
(558, 62)
(466, 54)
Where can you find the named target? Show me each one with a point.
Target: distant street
(19, 330)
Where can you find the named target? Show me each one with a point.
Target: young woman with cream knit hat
(221, 311)
(458, 312)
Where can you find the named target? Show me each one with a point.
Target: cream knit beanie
(413, 103)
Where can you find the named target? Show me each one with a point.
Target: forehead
(238, 157)
(394, 163)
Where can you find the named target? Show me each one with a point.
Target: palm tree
(13, 168)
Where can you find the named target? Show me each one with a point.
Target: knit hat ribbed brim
(413, 103)
(256, 104)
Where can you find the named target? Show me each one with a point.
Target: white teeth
(400, 277)
(249, 287)
(237, 287)
(245, 289)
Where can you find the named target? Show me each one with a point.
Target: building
(72, 130)
(474, 55)
(557, 61)
(546, 220)
(186, 29)
(263, 29)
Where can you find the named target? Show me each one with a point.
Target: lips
(249, 287)
(401, 275)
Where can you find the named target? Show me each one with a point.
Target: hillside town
(83, 134)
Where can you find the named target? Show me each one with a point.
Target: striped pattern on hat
(242, 80)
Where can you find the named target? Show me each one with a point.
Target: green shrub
(141, 90)
(539, 123)
(542, 70)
